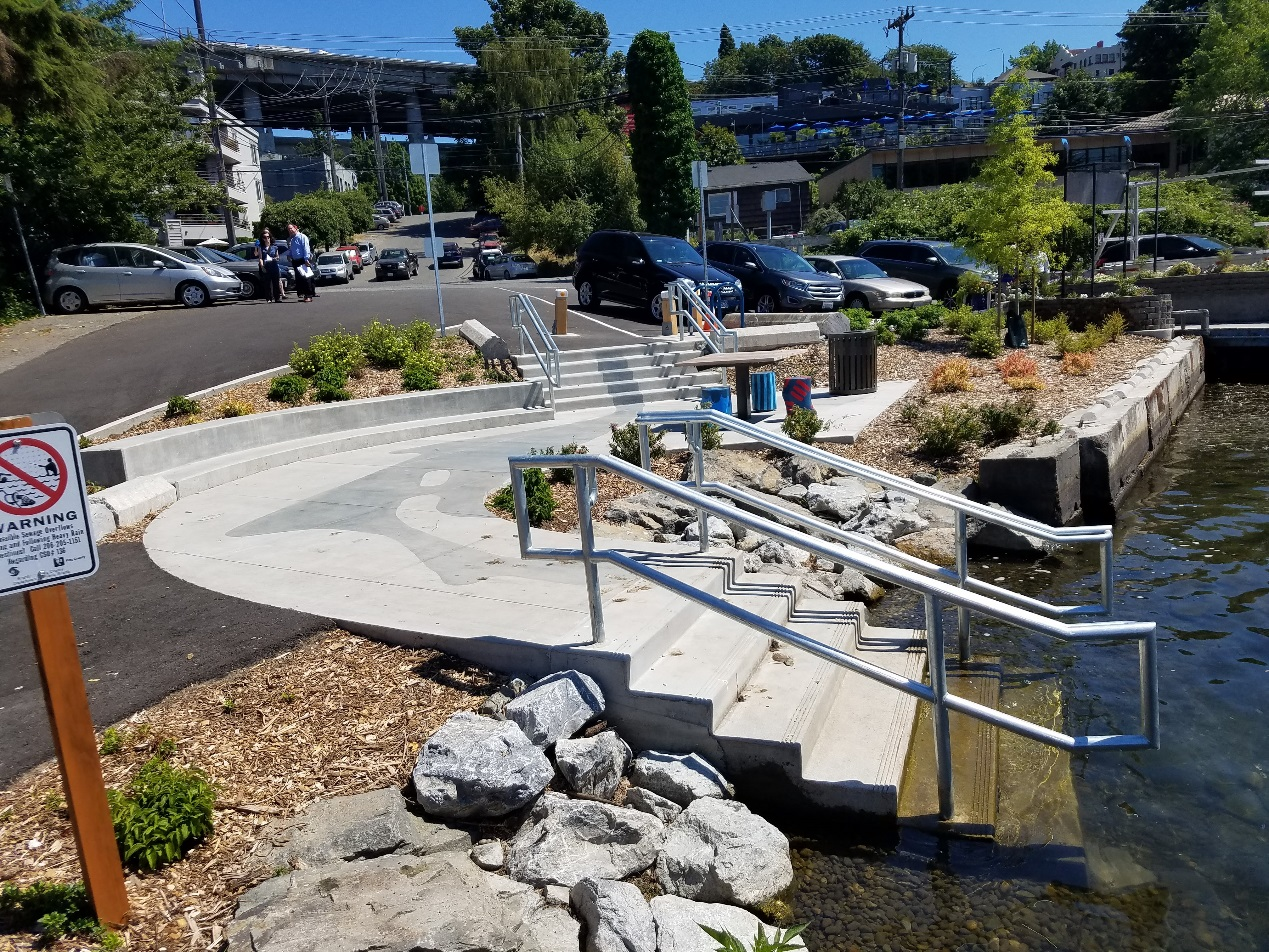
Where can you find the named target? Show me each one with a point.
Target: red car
(355, 254)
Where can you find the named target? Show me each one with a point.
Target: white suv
(388, 209)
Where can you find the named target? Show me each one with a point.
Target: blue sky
(978, 34)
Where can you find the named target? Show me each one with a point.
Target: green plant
(385, 347)
(711, 434)
(236, 408)
(623, 443)
(908, 324)
(663, 140)
(1114, 327)
(860, 318)
(422, 371)
(1182, 269)
(163, 812)
(54, 803)
(1047, 332)
(181, 405)
(286, 697)
(1028, 382)
(944, 433)
(951, 375)
(802, 424)
(419, 334)
(778, 941)
(337, 350)
(58, 910)
(502, 500)
(1005, 422)
(166, 748)
(466, 376)
(984, 342)
(885, 335)
(111, 742)
(329, 385)
(85, 442)
(1051, 428)
(288, 388)
(537, 496)
(1078, 363)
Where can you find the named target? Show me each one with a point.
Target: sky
(979, 35)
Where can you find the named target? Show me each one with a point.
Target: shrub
(1084, 343)
(1017, 364)
(179, 406)
(236, 408)
(419, 334)
(1078, 363)
(944, 433)
(1051, 428)
(58, 910)
(623, 443)
(1182, 269)
(502, 500)
(1005, 422)
(85, 442)
(422, 371)
(1047, 332)
(932, 315)
(538, 496)
(337, 349)
(802, 424)
(111, 742)
(907, 325)
(984, 342)
(711, 433)
(562, 474)
(885, 336)
(163, 812)
(385, 347)
(956, 318)
(288, 388)
(1029, 382)
(951, 375)
(466, 376)
(1114, 327)
(860, 318)
(778, 941)
(329, 386)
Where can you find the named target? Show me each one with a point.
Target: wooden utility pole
(898, 23)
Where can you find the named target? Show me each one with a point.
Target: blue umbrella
(971, 112)
(796, 126)
(823, 125)
(888, 119)
(843, 122)
(1025, 112)
(776, 128)
(989, 112)
(921, 86)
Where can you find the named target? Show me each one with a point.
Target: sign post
(45, 539)
(425, 160)
(700, 179)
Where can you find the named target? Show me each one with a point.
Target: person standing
(270, 267)
(301, 254)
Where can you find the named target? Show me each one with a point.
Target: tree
(663, 143)
(1080, 99)
(934, 65)
(1038, 59)
(1157, 40)
(718, 146)
(774, 62)
(726, 42)
(49, 63)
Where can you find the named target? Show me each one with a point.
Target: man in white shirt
(300, 253)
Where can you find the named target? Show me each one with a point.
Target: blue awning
(776, 128)
(843, 122)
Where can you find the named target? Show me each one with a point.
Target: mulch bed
(337, 715)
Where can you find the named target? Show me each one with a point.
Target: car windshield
(957, 256)
(523, 259)
(391, 253)
(671, 251)
(331, 259)
(859, 268)
(782, 259)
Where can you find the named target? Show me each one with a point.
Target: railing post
(584, 479)
(965, 649)
(938, 682)
(1108, 574)
(698, 477)
(523, 529)
(645, 447)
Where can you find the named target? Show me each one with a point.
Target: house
(734, 195)
(240, 155)
(1100, 61)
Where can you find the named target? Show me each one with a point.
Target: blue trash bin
(718, 398)
(762, 391)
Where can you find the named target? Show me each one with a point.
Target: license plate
(826, 305)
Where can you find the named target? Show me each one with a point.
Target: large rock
(839, 503)
(992, 537)
(848, 585)
(936, 545)
(650, 511)
(543, 927)
(719, 531)
(743, 469)
(717, 851)
(357, 827)
(556, 707)
(678, 777)
(617, 917)
(660, 807)
(593, 765)
(473, 767)
(564, 841)
(886, 520)
(679, 922)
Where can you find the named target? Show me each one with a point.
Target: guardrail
(964, 509)
(690, 309)
(936, 594)
(521, 306)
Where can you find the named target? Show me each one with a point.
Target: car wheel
(654, 305)
(488, 275)
(192, 294)
(346, 280)
(71, 301)
(856, 300)
(946, 292)
(251, 287)
(407, 274)
(587, 296)
(766, 303)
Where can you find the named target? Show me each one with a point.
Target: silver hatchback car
(84, 276)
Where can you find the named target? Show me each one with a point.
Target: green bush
(932, 315)
(422, 371)
(537, 493)
(860, 318)
(16, 305)
(329, 386)
(385, 347)
(420, 334)
(907, 324)
(1005, 422)
(778, 941)
(1047, 332)
(561, 474)
(1182, 269)
(1114, 327)
(1051, 428)
(288, 388)
(886, 336)
(111, 742)
(623, 443)
(179, 406)
(802, 424)
(336, 349)
(58, 910)
(956, 319)
(984, 342)
(502, 500)
(164, 811)
(944, 433)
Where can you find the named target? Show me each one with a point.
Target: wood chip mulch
(334, 716)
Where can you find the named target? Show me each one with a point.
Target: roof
(1160, 120)
(1030, 75)
(758, 173)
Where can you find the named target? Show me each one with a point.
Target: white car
(867, 286)
(368, 252)
(387, 210)
(333, 266)
(509, 267)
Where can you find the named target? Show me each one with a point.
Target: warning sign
(45, 536)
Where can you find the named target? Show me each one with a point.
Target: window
(782, 259)
(99, 257)
(1110, 72)
(259, 192)
(664, 250)
(859, 268)
(722, 254)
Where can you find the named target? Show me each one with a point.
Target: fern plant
(778, 941)
(163, 812)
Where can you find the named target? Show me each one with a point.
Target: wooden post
(70, 720)
(561, 311)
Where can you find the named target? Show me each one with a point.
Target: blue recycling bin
(762, 391)
(718, 398)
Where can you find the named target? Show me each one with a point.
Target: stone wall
(1238, 298)
(1144, 313)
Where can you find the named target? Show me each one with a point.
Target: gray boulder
(839, 503)
(717, 851)
(681, 778)
(936, 545)
(719, 531)
(556, 707)
(649, 802)
(847, 585)
(593, 765)
(543, 926)
(564, 841)
(886, 521)
(489, 854)
(474, 767)
(990, 537)
(650, 511)
(743, 469)
(780, 553)
(357, 827)
(793, 493)
(679, 922)
(617, 917)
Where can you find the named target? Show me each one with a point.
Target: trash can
(762, 391)
(718, 398)
(852, 358)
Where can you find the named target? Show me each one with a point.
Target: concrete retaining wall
(1103, 449)
(1238, 298)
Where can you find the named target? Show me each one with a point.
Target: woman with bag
(270, 267)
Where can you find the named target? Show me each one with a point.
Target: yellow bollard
(669, 323)
(561, 311)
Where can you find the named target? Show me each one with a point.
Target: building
(240, 154)
(290, 170)
(1100, 61)
(734, 195)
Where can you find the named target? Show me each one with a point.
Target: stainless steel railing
(527, 323)
(936, 593)
(963, 509)
(687, 305)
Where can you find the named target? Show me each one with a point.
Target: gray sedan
(84, 276)
(867, 286)
(511, 266)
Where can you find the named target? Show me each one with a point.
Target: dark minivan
(634, 268)
(776, 278)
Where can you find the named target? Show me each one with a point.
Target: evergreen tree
(726, 42)
(1157, 40)
(1037, 58)
(663, 143)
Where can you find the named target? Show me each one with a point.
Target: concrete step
(563, 403)
(677, 382)
(622, 375)
(634, 362)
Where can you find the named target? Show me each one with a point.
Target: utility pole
(898, 23)
(374, 128)
(519, 150)
(213, 116)
(26, 255)
(331, 181)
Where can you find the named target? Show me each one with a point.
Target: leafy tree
(1080, 99)
(49, 61)
(934, 65)
(718, 146)
(1037, 58)
(1207, 208)
(328, 218)
(663, 143)
(1157, 40)
(726, 42)
(774, 62)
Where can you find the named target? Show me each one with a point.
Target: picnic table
(742, 363)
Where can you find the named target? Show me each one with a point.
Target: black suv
(775, 278)
(936, 264)
(634, 268)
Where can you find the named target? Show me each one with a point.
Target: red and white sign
(45, 531)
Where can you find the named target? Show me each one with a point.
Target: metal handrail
(1101, 536)
(685, 303)
(936, 593)
(521, 305)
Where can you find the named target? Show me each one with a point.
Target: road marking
(575, 313)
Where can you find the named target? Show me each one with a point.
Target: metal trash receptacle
(852, 358)
(762, 391)
(718, 398)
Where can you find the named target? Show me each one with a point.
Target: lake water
(1187, 821)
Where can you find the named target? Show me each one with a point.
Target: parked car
(396, 263)
(368, 253)
(382, 221)
(354, 254)
(510, 267)
(397, 207)
(82, 276)
(775, 278)
(867, 286)
(451, 254)
(1203, 252)
(333, 266)
(352, 265)
(246, 250)
(634, 268)
(484, 224)
(484, 259)
(936, 265)
(247, 270)
(489, 241)
(387, 210)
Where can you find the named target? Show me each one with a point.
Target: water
(1184, 825)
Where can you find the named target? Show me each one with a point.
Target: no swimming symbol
(32, 477)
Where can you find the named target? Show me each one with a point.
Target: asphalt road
(138, 363)
(137, 628)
